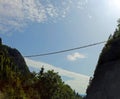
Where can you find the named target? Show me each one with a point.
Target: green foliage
(112, 43)
(51, 86)
(16, 82)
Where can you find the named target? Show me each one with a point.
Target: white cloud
(75, 56)
(89, 16)
(78, 82)
(15, 14)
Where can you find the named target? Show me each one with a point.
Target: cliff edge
(106, 80)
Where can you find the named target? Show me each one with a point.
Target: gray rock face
(107, 84)
(106, 81)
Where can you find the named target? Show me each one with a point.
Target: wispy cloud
(75, 56)
(15, 14)
(81, 5)
(78, 82)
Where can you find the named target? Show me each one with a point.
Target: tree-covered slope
(13, 58)
(17, 82)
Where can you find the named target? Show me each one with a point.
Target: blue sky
(42, 26)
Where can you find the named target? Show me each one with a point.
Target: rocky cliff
(106, 80)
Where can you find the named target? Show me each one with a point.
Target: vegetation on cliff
(107, 70)
(17, 82)
(111, 45)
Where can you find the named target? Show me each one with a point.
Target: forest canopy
(17, 82)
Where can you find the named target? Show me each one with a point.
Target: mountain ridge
(15, 57)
